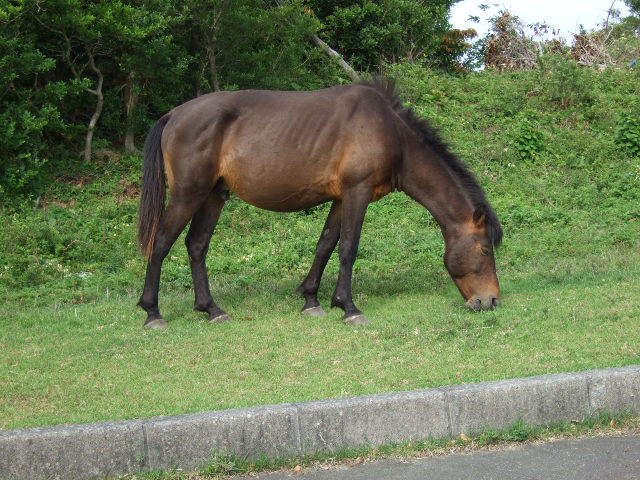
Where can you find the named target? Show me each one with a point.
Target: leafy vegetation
(373, 33)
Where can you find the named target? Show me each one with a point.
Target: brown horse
(289, 151)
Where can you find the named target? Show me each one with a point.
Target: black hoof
(314, 311)
(357, 319)
(220, 318)
(156, 324)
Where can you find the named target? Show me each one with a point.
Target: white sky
(565, 15)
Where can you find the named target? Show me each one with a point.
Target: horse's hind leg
(198, 239)
(173, 221)
(326, 244)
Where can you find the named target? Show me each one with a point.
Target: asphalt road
(597, 458)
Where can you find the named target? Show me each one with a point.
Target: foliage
(246, 44)
(634, 5)
(370, 33)
(528, 137)
(627, 134)
(29, 105)
(592, 48)
(512, 44)
(565, 82)
(508, 47)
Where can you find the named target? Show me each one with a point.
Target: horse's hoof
(221, 318)
(358, 319)
(314, 311)
(157, 324)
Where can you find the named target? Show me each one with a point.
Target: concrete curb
(105, 449)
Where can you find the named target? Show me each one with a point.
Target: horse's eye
(484, 251)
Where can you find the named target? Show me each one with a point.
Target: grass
(89, 362)
(225, 466)
(73, 350)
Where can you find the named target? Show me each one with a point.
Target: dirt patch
(128, 190)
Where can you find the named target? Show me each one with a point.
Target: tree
(208, 20)
(145, 53)
(79, 45)
(634, 6)
(105, 41)
(253, 43)
(30, 115)
(370, 33)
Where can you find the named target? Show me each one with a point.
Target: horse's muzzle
(478, 304)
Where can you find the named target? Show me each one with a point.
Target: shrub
(528, 137)
(565, 83)
(627, 133)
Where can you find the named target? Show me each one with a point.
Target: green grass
(88, 362)
(71, 344)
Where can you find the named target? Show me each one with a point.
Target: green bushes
(564, 83)
(528, 137)
(627, 135)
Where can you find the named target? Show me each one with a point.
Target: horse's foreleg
(354, 207)
(202, 226)
(324, 248)
(173, 221)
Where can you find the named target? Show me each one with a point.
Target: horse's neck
(426, 179)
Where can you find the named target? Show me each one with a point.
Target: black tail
(153, 188)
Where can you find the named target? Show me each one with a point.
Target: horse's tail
(153, 188)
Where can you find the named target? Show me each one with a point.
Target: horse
(288, 151)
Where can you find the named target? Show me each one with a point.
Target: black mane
(429, 136)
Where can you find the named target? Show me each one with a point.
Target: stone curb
(104, 449)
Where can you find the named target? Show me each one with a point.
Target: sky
(565, 15)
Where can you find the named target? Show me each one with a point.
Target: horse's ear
(480, 215)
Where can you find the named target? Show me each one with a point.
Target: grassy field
(92, 361)
(73, 350)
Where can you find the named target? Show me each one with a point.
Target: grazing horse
(290, 151)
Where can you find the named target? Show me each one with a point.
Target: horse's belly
(281, 191)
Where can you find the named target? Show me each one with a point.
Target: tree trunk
(353, 75)
(212, 41)
(97, 112)
(131, 103)
(213, 70)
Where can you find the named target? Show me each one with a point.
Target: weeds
(528, 136)
(627, 134)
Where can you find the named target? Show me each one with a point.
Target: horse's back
(284, 150)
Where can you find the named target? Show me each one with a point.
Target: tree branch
(353, 75)
(98, 111)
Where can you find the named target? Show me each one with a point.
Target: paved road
(598, 458)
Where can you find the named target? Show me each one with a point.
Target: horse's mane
(429, 136)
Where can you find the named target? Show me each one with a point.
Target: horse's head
(470, 261)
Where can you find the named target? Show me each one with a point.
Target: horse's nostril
(477, 304)
(494, 302)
